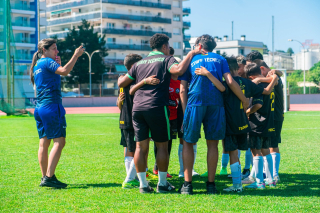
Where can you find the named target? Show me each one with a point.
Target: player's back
(126, 110)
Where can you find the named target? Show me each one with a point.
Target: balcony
(186, 37)
(139, 3)
(133, 32)
(186, 11)
(24, 23)
(23, 56)
(65, 5)
(17, 6)
(186, 24)
(25, 40)
(70, 19)
(129, 47)
(113, 61)
(136, 18)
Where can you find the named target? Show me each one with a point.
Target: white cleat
(194, 173)
(248, 180)
(234, 188)
(181, 174)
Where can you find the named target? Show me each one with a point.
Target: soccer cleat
(150, 175)
(169, 176)
(234, 188)
(52, 182)
(256, 185)
(186, 190)
(248, 180)
(204, 175)
(146, 190)
(245, 173)
(211, 189)
(181, 174)
(277, 179)
(131, 184)
(223, 171)
(271, 183)
(155, 172)
(41, 182)
(194, 173)
(164, 189)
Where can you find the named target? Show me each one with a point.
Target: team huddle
(237, 100)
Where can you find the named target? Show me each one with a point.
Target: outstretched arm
(66, 69)
(253, 109)
(204, 72)
(152, 80)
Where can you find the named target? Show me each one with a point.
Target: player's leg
(181, 170)
(248, 159)
(274, 150)
(195, 149)
(43, 155)
(224, 161)
(212, 162)
(155, 168)
(268, 162)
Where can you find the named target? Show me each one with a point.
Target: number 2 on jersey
(272, 97)
(241, 105)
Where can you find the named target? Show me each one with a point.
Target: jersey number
(272, 97)
(121, 90)
(241, 105)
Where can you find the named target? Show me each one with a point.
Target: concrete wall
(89, 102)
(305, 99)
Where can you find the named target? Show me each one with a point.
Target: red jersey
(174, 97)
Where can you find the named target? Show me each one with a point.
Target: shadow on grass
(98, 185)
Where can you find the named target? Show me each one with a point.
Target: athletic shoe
(277, 179)
(223, 171)
(155, 172)
(146, 190)
(186, 190)
(248, 180)
(194, 173)
(270, 184)
(164, 189)
(181, 174)
(150, 175)
(52, 182)
(245, 173)
(211, 189)
(131, 184)
(204, 175)
(256, 185)
(41, 182)
(169, 176)
(234, 188)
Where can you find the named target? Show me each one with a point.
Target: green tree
(92, 41)
(290, 51)
(314, 73)
(265, 50)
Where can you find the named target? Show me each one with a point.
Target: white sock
(132, 173)
(268, 164)
(224, 160)
(162, 178)
(239, 153)
(180, 157)
(248, 159)
(127, 162)
(276, 163)
(143, 179)
(195, 154)
(258, 164)
(236, 173)
(253, 172)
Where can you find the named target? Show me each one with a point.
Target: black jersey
(126, 111)
(237, 121)
(278, 109)
(152, 96)
(262, 121)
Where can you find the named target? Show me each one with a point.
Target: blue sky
(296, 19)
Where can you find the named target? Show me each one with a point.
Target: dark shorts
(257, 142)
(156, 120)
(277, 138)
(51, 121)
(127, 139)
(173, 128)
(234, 142)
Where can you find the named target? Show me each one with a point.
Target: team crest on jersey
(177, 90)
(171, 90)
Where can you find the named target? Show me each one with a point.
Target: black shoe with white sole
(52, 182)
(164, 189)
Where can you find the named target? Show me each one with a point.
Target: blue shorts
(213, 119)
(51, 121)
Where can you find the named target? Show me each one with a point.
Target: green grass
(92, 164)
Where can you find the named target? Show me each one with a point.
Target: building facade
(279, 60)
(126, 24)
(305, 59)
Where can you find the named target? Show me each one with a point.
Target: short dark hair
(207, 42)
(171, 51)
(252, 69)
(241, 60)
(157, 40)
(261, 63)
(130, 60)
(233, 64)
(254, 55)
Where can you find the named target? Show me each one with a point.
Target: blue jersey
(202, 91)
(48, 83)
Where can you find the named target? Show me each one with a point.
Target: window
(176, 45)
(176, 17)
(176, 4)
(241, 52)
(111, 40)
(130, 41)
(110, 25)
(176, 31)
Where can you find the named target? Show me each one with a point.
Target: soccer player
(150, 107)
(278, 114)
(237, 121)
(125, 104)
(253, 56)
(49, 113)
(261, 119)
(204, 104)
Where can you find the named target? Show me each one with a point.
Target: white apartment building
(127, 24)
(279, 60)
(306, 58)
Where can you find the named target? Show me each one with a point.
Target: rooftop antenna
(232, 31)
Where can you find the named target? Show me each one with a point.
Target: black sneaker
(41, 182)
(52, 182)
(186, 190)
(146, 190)
(211, 189)
(245, 173)
(164, 189)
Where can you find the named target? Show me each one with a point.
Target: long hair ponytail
(44, 43)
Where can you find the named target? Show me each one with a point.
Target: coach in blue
(49, 113)
(204, 104)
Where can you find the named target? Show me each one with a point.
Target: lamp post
(304, 68)
(90, 56)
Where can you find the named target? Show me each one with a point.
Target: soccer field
(92, 163)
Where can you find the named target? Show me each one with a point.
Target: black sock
(211, 183)
(187, 183)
